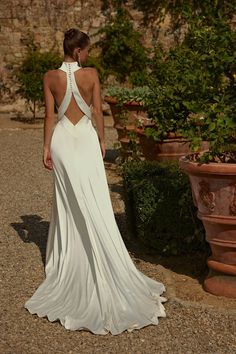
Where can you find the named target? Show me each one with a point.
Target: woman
(91, 281)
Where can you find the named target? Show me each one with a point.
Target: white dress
(91, 281)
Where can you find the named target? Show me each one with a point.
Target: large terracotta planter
(214, 194)
(170, 149)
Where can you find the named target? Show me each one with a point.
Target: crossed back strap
(72, 89)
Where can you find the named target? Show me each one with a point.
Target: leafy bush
(214, 46)
(162, 211)
(183, 11)
(30, 75)
(124, 94)
(96, 62)
(196, 78)
(122, 52)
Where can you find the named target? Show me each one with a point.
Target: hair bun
(70, 33)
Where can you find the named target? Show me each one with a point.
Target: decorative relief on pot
(207, 197)
(232, 207)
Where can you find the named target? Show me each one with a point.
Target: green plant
(96, 62)
(174, 84)
(162, 212)
(219, 128)
(215, 48)
(182, 11)
(128, 107)
(122, 52)
(30, 75)
(195, 78)
(125, 95)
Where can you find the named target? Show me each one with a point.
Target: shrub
(30, 75)
(186, 10)
(96, 62)
(195, 77)
(125, 94)
(214, 46)
(122, 52)
(162, 212)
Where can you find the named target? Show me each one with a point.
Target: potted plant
(213, 181)
(128, 110)
(178, 86)
(183, 79)
(212, 176)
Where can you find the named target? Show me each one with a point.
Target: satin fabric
(91, 282)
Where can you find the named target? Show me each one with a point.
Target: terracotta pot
(132, 110)
(170, 149)
(125, 131)
(125, 126)
(214, 194)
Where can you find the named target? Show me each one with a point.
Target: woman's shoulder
(52, 74)
(90, 70)
(91, 73)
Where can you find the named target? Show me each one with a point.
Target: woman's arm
(97, 111)
(48, 121)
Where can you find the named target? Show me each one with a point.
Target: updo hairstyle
(74, 38)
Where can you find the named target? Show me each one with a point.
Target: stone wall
(46, 20)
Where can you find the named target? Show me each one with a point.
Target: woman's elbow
(49, 118)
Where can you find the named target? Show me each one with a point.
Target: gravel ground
(26, 195)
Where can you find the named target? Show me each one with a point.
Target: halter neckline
(71, 62)
(70, 65)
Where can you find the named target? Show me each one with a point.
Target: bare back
(87, 82)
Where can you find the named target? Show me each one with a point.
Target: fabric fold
(91, 282)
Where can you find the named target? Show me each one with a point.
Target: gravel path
(26, 194)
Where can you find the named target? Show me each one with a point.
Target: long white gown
(91, 281)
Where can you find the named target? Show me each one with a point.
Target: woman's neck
(69, 59)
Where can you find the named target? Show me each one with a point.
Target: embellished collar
(70, 66)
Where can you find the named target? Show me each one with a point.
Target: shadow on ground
(192, 265)
(33, 229)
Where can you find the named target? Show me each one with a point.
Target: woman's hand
(47, 159)
(103, 148)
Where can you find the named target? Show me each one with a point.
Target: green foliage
(30, 75)
(182, 11)
(95, 62)
(123, 54)
(196, 78)
(125, 94)
(178, 87)
(217, 55)
(163, 214)
(219, 129)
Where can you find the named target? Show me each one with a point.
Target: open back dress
(91, 281)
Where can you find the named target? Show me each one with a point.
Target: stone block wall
(47, 20)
